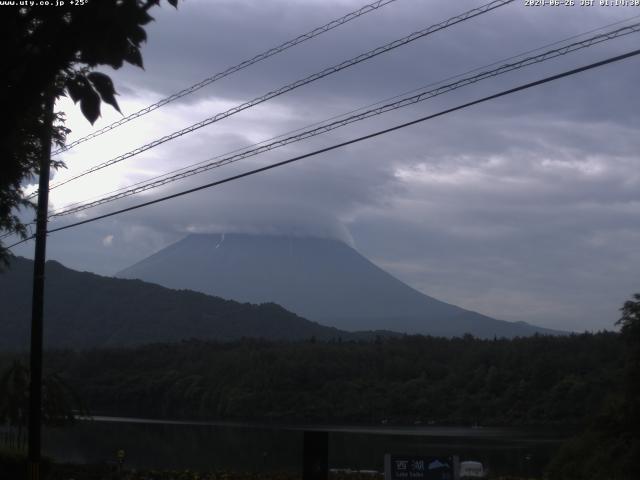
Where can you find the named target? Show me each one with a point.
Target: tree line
(406, 380)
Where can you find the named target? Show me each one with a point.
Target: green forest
(406, 380)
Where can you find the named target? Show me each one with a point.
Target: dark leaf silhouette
(104, 86)
(138, 35)
(144, 18)
(133, 56)
(90, 105)
(75, 89)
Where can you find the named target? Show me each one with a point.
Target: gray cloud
(524, 208)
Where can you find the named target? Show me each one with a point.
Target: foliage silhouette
(610, 447)
(47, 52)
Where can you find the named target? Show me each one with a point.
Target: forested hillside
(83, 310)
(536, 380)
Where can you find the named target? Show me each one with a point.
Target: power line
(379, 102)
(236, 68)
(422, 96)
(352, 141)
(292, 86)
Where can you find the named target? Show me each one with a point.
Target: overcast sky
(523, 208)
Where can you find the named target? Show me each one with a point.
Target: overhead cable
(292, 86)
(349, 142)
(416, 98)
(236, 68)
(342, 115)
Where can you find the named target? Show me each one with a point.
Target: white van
(471, 469)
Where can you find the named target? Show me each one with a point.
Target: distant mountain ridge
(84, 310)
(320, 279)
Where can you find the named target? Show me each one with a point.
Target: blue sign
(416, 467)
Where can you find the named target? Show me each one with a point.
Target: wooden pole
(315, 464)
(37, 305)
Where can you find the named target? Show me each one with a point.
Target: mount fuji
(322, 280)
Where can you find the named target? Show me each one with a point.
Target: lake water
(251, 447)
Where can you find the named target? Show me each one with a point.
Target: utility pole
(37, 303)
(315, 455)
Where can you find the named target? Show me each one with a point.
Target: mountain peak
(321, 279)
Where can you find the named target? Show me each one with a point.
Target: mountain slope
(320, 279)
(84, 310)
